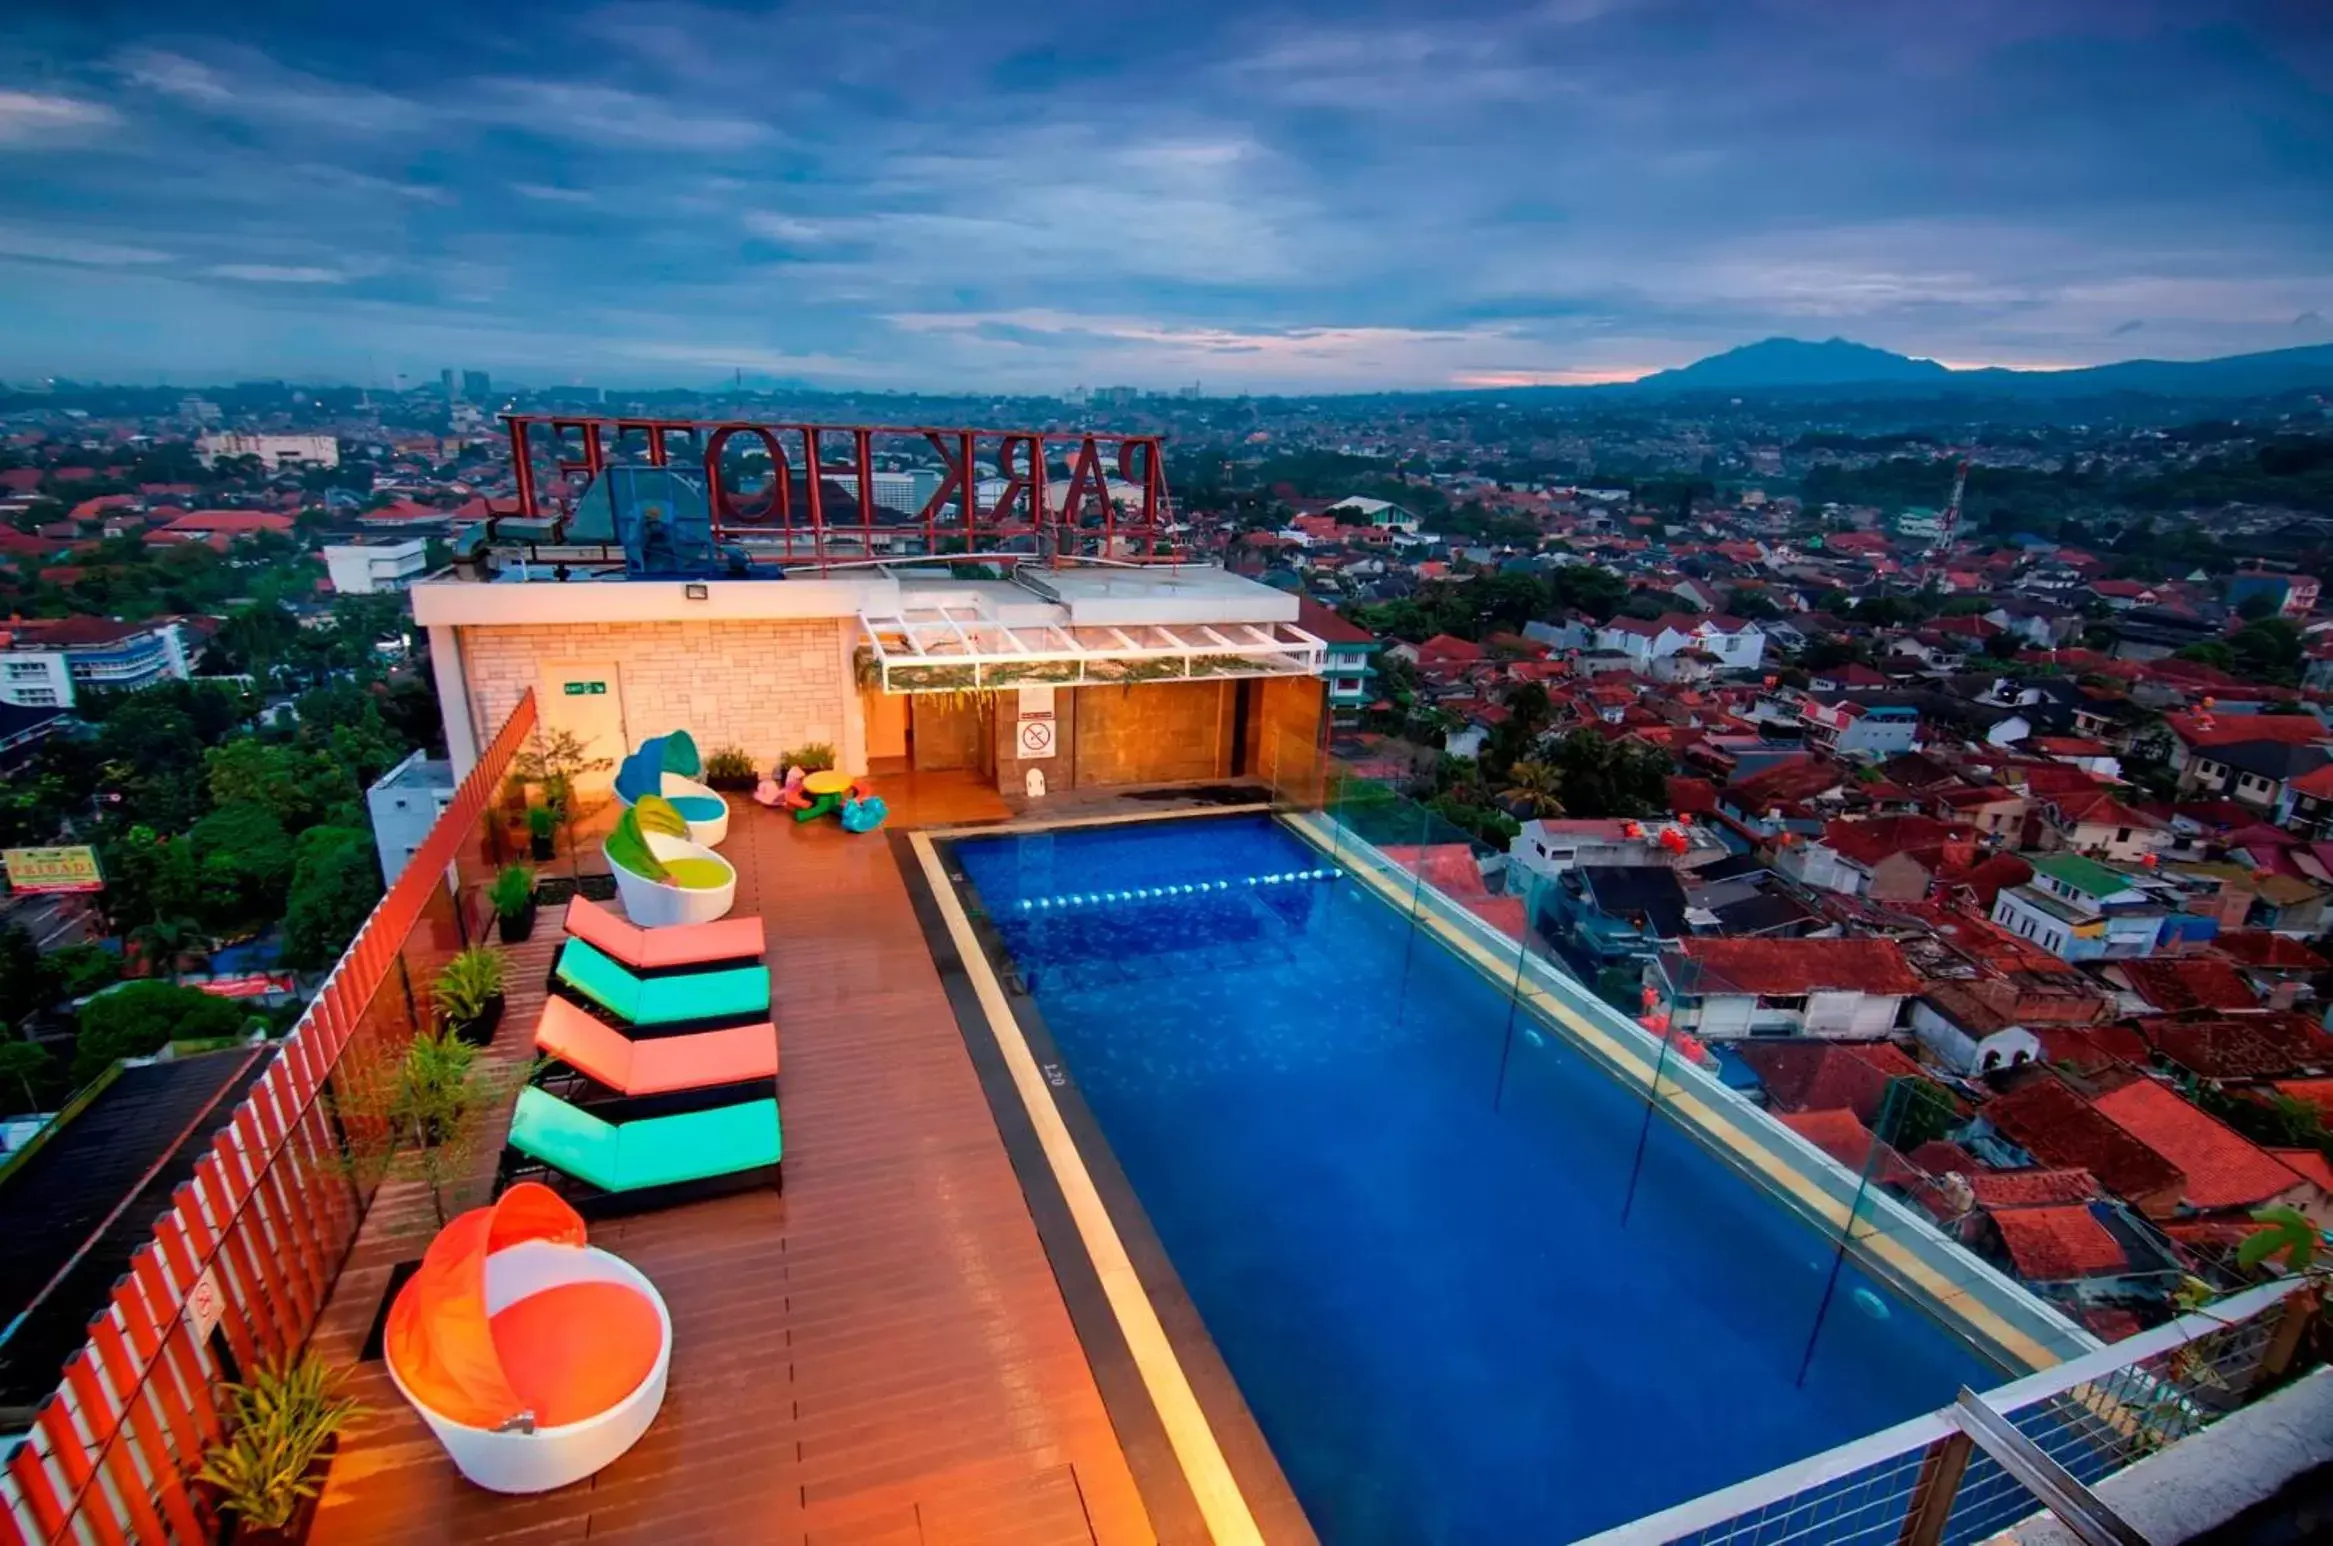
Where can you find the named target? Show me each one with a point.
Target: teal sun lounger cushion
(648, 1151)
(737, 990)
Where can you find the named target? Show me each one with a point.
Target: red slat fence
(261, 1229)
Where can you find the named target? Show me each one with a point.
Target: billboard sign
(33, 871)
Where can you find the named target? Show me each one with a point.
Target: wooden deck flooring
(881, 1354)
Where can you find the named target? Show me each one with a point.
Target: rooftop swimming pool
(1432, 1307)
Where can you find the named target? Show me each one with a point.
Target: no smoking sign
(1037, 738)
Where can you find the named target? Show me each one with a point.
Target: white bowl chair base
(654, 905)
(553, 1457)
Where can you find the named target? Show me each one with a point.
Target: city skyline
(1259, 200)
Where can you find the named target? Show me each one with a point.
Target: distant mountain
(1797, 368)
(1793, 362)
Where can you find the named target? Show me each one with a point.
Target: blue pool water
(1432, 1309)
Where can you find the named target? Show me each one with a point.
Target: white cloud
(278, 274)
(604, 115)
(49, 248)
(28, 117)
(247, 85)
(544, 193)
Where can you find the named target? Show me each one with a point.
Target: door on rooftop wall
(586, 697)
(953, 730)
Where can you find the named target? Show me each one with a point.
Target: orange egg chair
(535, 1358)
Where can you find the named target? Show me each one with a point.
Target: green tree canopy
(245, 858)
(138, 1019)
(336, 880)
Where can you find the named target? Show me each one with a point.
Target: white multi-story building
(46, 664)
(368, 566)
(404, 805)
(272, 450)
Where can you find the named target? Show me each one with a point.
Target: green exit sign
(586, 689)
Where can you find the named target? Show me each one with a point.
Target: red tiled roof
(2307, 1164)
(2209, 730)
(1785, 967)
(2314, 1092)
(2240, 1046)
(2173, 983)
(64, 632)
(2101, 808)
(2089, 1048)
(2031, 1188)
(1869, 842)
(1794, 778)
(2261, 949)
(2058, 1127)
(2224, 1169)
(1826, 1076)
(1840, 1135)
(1324, 624)
(1691, 796)
(2050, 1245)
(1448, 648)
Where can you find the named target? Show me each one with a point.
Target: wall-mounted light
(697, 592)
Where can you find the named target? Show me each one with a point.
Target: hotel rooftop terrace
(954, 1322)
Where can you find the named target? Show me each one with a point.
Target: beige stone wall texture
(763, 685)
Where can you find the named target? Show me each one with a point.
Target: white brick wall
(762, 685)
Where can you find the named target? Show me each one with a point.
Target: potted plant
(468, 995)
(816, 757)
(513, 896)
(269, 1467)
(731, 768)
(542, 825)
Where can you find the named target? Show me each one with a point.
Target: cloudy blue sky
(1251, 195)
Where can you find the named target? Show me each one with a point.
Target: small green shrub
(542, 821)
(278, 1425)
(513, 890)
(733, 762)
(816, 757)
(466, 984)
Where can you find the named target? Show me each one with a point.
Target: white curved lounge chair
(667, 765)
(663, 878)
(452, 1310)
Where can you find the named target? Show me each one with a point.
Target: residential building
(368, 566)
(1352, 653)
(404, 804)
(1548, 848)
(1608, 914)
(1734, 644)
(2081, 910)
(273, 451)
(47, 664)
(1888, 858)
(1728, 988)
(1867, 730)
(2255, 773)
(2096, 823)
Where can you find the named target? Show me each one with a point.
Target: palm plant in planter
(513, 896)
(542, 825)
(468, 995)
(270, 1466)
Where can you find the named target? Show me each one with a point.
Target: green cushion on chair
(698, 874)
(651, 1151)
(655, 814)
(628, 849)
(680, 755)
(738, 990)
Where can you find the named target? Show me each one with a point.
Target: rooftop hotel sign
(814, 489)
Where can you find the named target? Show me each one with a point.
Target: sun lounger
(685, 946)
(584, 971)
(741, 1057)
(641, 1154)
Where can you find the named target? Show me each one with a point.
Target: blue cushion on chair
(697, 807)
(642, 773)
